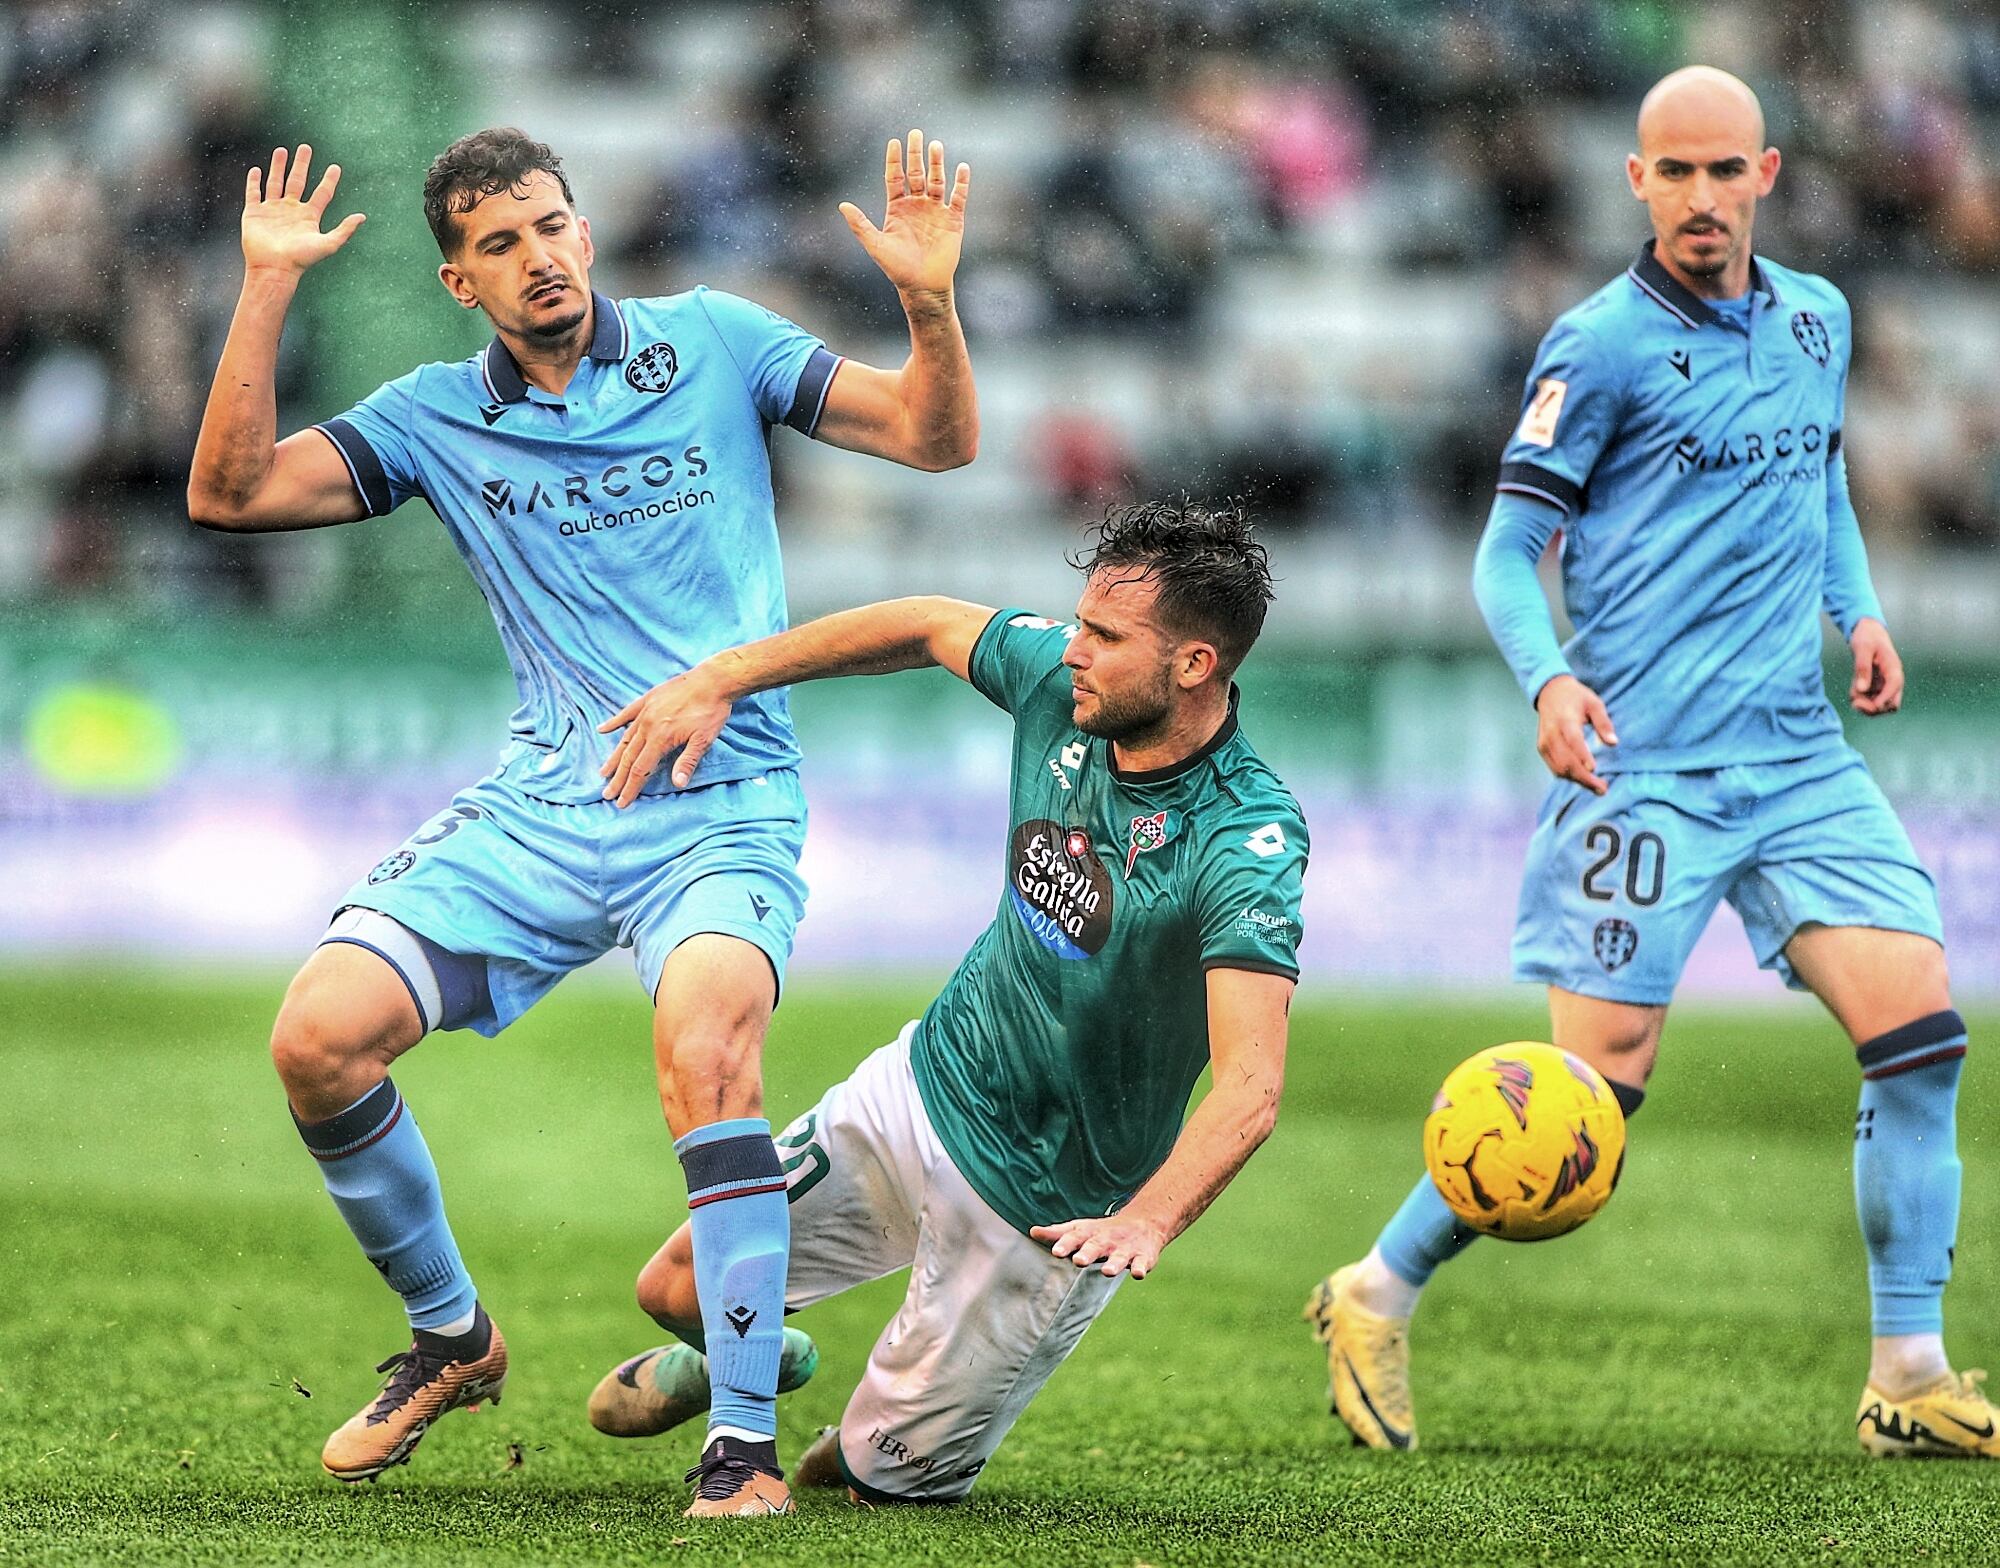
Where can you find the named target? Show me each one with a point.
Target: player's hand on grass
(1563, 707)
(917, 246)
(682, 715)
(1118, 1243)
(1878, 670)
(281, 223)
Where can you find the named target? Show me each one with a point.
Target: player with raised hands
(602, 466)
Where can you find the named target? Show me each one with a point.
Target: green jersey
(1057, 1062)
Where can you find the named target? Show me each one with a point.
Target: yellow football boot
(1367, 1363)
(1948, 1419)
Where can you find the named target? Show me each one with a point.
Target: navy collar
(1676, 299)
(608, 340)
(1173, 770)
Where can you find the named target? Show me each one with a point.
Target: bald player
(1681, 434)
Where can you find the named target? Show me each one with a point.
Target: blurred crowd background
(1306, 246)
(1299, 251)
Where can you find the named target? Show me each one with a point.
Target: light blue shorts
(539, 889)
(1618, 888)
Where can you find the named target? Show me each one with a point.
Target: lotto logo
(1267, 841)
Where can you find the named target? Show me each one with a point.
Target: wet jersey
(1057, 1062)
(1691, 455)
(621, 532)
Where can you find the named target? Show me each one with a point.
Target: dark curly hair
(481, 165)
(1214, 576)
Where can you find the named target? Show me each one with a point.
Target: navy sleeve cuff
(809, 401)
(1533, 480)
(363, 466)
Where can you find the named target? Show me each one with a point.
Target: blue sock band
(1906, 1170)
(379, 1174)
(1422, 1234)
(742, 1237)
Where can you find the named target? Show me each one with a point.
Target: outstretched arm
(925, 415)
(1247, 1020)
(685, 714)
(243, 478)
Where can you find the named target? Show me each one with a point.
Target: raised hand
(281, 224)
(917, 246)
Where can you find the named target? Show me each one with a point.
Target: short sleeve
(786, 368)
(1569, 412)
(373, 439)
(1250, 887)
(1015, 654)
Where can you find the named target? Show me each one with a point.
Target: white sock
(459, 1325)
(1380, 1289)
(1900, 1364)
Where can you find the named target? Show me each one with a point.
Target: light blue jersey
(622, 532)
(1691, 454)
(1692, 462)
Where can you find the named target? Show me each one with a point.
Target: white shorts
(989, 1313)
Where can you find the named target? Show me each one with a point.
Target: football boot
(730, 1485)
(1948, 1419)
(1367, 1363)
(658, 1389)
(425, 1382)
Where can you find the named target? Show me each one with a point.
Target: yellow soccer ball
(1524, 1141)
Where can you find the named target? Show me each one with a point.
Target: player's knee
(319, 1054)
(711, 1067)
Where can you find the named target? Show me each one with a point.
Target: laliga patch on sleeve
(1538, 425)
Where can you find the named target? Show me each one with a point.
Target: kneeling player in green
(1020, 1148)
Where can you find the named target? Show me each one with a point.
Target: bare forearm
(234, 453)
(875, 639)
(1224, 1131)
(940, 402)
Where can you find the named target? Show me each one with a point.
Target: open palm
(918, 243)
(281, 224)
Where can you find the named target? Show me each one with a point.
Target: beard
(554, 328)
(1708, 265)
(1124, 716)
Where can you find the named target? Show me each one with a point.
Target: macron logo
(491, 413)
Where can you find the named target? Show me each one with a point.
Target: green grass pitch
(183, 1317)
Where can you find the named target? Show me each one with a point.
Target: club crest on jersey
(1614, 942)
(1146, 833)
(388, 870)
(1811, 333)
(652, 368)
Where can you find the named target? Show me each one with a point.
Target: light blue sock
(380, 1175)
(1422, 1234)
(742, 1237)
(1906, 1170)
